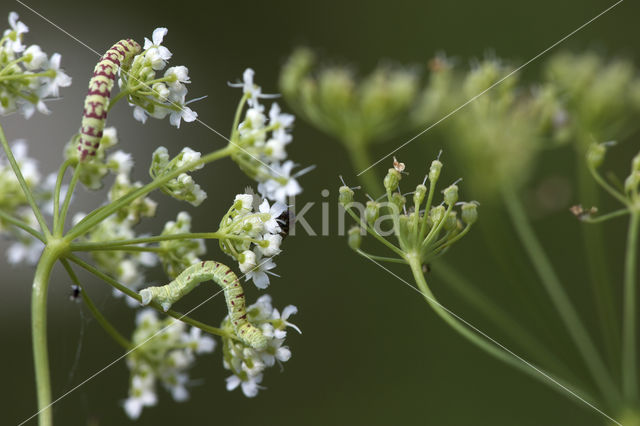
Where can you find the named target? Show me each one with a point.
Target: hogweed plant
(161, 350)
(497, 141)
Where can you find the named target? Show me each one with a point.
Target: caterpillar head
(147, 296)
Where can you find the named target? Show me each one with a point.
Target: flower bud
(437, 214)
(469, 213)
(371, 212)
(595, 155)
(632, 182)
(419, 195)
(451, 195)
(392, 179)
(398, 200)
(354, 238)
(434, 170)
(345, 196)
(451, 221)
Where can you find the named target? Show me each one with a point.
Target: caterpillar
(97, 100)
(188, 279)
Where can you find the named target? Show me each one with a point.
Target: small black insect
(285, 220)
(75, 293)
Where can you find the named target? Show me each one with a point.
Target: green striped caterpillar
(95, 104)
(168, 294)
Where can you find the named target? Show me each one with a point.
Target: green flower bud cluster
(332, 99)
(503, 129)
(424, 229)
(182, 187)
(601, 97)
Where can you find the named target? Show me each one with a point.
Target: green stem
(629, 349)
(22, 225)
(23, 184)
(595, 250)
(56, 194)
(106, 325)
(561, 301)
(610, 189)
(361, 160)
(39, 334)
(126, 290)
(155, 239)
(480, 339)
(59, 229)
(608, 216)
(381, 258)
(374, 233)
(102, 213)
(19, 76)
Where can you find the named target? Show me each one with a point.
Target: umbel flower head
(29, 77)
(354, 112)
(423, 229)
(165, 350)
(262, 141)
(600, 97)
(247, 364)
(154, 95)
(504, 128)
(252, 235)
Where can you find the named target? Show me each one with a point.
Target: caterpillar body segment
(189, 279)
(95, 104)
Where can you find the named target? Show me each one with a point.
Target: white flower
(52, 85)
(281, 184)
(185, 113)
(274, 212)
(140, 114)
(250, 386)
(199, 343)
(188, 156)
(273, 247)
(246, 202)
(14, 39)
(286, 313)
(38, 58)
(28, 109)
(261, 310)
(259, 272)
(275, 351)
(278, 119)
(120, 162)
(141, 394)
(176, 385)
(248, 261)
(180, 73)
(275, 149)
(157, 54)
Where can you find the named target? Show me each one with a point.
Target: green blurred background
(372, 353)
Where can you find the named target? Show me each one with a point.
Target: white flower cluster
(152, 95)
(248, 364)
(182, 187)
(28, 77)
(165, 351)
(177, 255)
(24, 247)
(253, 235)
(263, 156)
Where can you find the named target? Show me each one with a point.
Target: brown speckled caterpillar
(209, 270)
(97, 100)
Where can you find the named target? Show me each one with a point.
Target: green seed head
(392, 179)
(371, 212)
(469, 213)
(451, 195)
(345, 196)
(354, 238)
